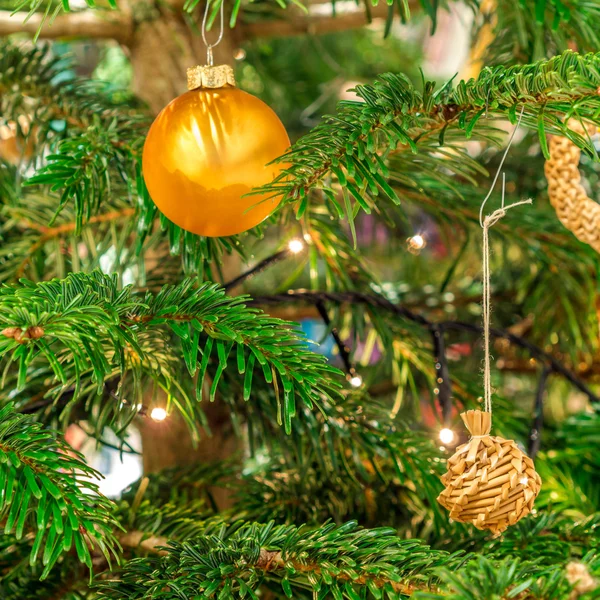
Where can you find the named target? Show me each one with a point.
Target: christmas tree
(292, 390)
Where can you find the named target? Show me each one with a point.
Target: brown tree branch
(273, 560)
(140, 540)
(120, 27)
(87, 23)
(291, 23)
(48, 233)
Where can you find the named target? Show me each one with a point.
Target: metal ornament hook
(209, 47)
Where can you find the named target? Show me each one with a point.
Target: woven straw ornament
(575, 210)
(490, 482)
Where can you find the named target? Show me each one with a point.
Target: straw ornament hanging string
(486, 223)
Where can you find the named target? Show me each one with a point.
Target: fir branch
(549, 536)
(68, 580)
(527, 31)
(30, 248)
(511, 578)
(47, 488)
(229, 561)
(80, 169)
(353, 146)
(354, 461)
(36, 74)
(89, 322)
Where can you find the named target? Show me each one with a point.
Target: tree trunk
(162, 49)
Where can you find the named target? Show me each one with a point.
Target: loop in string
(209, 47)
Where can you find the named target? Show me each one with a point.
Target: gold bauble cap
(210, 77)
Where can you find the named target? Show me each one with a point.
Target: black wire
(535, 435)
(110, 445)
(335, 334)
(401, 311)
(443, 383)
(261, 266)
(34, 407)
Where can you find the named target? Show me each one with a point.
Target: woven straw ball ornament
(490, 482)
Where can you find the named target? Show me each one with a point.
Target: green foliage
(183, 484)
(323, 66)
(87, 326)
(232, 561)
(365, 466)
(395, 118)
(79, 169)
(355, 461)
(345, 561)
(528, 31)
(47, 493)
(68, 579)
(553, 539)
(482, 580)
(87, 347)
(95, 135)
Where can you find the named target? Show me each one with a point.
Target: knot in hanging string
(492, 219)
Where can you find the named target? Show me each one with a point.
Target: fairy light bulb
(524, 480)
(158, 414)
(416, 243)
(295, 246)
(446, 436)
(356, 381)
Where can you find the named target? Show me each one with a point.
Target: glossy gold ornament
(207, 149)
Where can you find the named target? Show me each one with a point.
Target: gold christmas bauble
(205, 151)
(490, 482)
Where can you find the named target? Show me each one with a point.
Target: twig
(535, 435)
(141, 540)
(313, 24)
(49, 233)
(335, 334)
(269, 561)
(261, 266)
